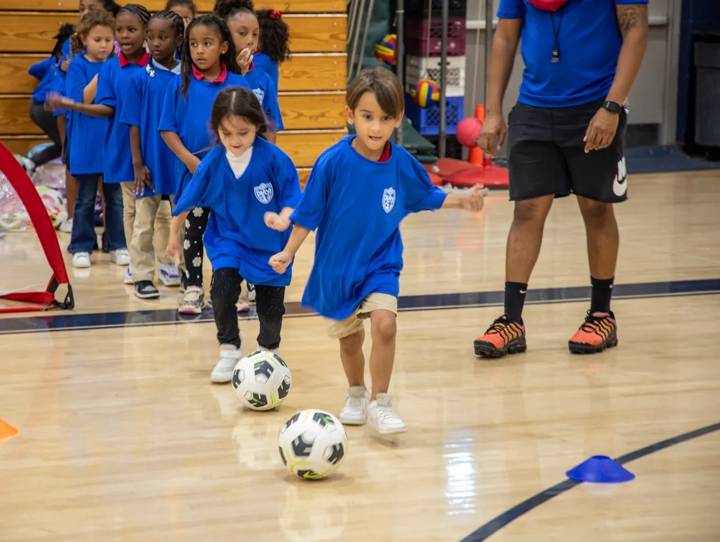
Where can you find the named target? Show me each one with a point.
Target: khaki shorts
(375, 301)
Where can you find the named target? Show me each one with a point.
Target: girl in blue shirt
(245, 31)
(96, 31)
(153, 161)
(359, 192)
(252, 188)
(274, 49)
(208, 66)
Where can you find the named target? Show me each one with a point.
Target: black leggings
(195, 226)
(48, 124)
(270, 303)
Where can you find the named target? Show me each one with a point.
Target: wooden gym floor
(122, 437)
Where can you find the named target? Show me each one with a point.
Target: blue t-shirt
(58, 81)
(264, 63)
(144, 100)
(264, 88)
(236, 235)
(88, 133)
(588, 41)
(113, 86)
(44, 72)
(357, 206)
(189, 116)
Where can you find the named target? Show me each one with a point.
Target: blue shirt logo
(264, 193)
(388, 199)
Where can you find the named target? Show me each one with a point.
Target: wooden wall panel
(304, 147)
(303, 111)
(32, 32)
(14, 78)
(296, 6)
(14, 117)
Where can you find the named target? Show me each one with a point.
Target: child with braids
(209, 66)
(153, 161)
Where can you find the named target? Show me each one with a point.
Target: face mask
(548, 5)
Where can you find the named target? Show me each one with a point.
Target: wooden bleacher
(312, 82)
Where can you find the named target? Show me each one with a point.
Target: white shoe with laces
(382, 418)
(66, 226)
(81, 260)
(223, 370)
(169, 274)
(120, 257)
(355, 410)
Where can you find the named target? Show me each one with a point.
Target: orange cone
(476, 156)
(7, 430)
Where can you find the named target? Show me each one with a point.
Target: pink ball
(468, 130)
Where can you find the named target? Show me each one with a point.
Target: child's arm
(57, 101)
(280, 261)
(174, 240)
(173, 141)
(472, 201)
(279, 221)
(142, 173)
(90, 91)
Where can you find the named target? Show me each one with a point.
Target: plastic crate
(428, 67)
(423, 36)
(419, 8)
(427, 120)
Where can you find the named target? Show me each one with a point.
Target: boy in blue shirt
(359, 192)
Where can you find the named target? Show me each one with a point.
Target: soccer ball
(312, 444)
(261, 380)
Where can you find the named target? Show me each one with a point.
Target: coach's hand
(493, 134)
(601, 130)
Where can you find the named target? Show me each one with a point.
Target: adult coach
(565, 136)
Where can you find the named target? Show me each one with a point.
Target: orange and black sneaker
(595, 334)
(501, 338)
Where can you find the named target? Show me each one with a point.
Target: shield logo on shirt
(388, 199)
(259, 94)
(264, 193)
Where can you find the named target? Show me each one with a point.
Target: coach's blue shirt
(357, 206)
(588, 40)
(236, 235)
(145, 99)
(113, 86)
(89, 132)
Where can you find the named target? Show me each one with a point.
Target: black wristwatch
(613, 107)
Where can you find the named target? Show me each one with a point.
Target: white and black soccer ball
(261, 380)
(312, 444)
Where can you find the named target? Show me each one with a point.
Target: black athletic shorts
(547, 155)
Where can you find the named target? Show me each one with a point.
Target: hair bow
(275, 14)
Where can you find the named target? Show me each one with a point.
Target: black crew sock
(514, 300)
(601, 294)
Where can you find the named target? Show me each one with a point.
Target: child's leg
(195, 226)
(352, 357)
(113, 216)
(382, 356)
(163, 217)
(225, 290)
(270, 310)
(83, 236)
(128, 201)
(142, 253)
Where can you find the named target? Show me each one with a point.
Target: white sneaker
(81, 260)
(251, 292)
(66, 226)
(169, 274)
(193, 301)
(355, 412)
(223, 370)
(120, 257)
(128, 277)
(382, 418)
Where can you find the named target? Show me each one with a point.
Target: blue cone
(600, 469)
